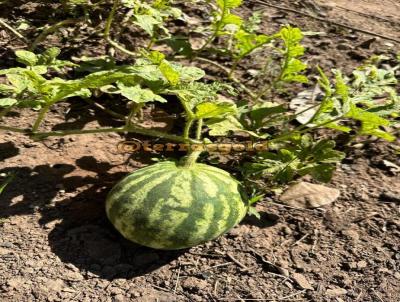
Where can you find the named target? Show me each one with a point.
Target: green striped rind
(166, 206)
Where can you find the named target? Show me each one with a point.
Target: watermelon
(170, 206)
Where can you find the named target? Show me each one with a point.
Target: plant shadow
(8, 150)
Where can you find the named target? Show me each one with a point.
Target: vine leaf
(7, 102)
(137, 94)
(211, 110)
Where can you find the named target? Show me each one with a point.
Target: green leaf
(169, 73)
(147, 23)
(292, 66)
(370, 122)
(341, 88)
(224, 18)
(6, 89)
(255, 199)
(211, 110)
(246, 43)
(18, 81)
(253, 211)
(194, 93)
(7, 102)
(228, 4)
(40, 69)
(292, 70)
(222, 127)
(292, 36)
(189, 73)
(232, 19)
(26, 57)
(49, 56)
(259, 113)
(138, 95)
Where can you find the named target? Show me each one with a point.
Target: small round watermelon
(169, 206)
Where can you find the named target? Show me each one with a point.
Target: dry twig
(14, 31)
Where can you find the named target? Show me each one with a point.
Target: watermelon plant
(179, 203)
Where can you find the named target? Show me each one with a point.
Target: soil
(57, 245)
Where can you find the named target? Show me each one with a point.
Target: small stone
(73, 276)
(286, 230)
(195, 284)
(301, 281)
(361, 264)
(119, 298)
(336, 292)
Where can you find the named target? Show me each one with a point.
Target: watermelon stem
(189, 160)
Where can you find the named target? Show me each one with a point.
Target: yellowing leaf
(169, 73)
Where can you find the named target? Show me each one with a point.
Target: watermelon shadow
(266, 220)
(82, 235)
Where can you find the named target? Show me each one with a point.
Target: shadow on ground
(80, 232)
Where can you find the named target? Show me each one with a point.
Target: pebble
(73, 276)
(362, 264)
(286, 230)
(119, 298)
(193, 283)
(301, 281)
